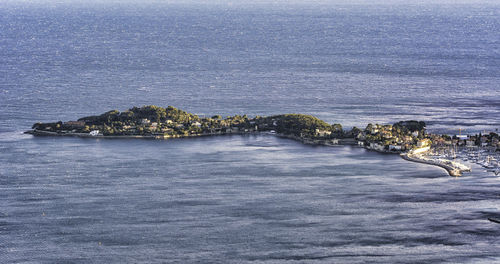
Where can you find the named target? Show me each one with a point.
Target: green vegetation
(301, 125)
(159, 122)
(411, 126)
(172, 122)
(402, 135)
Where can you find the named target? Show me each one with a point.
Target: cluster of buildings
(166, 128)
(479, 140)
(396, 138)
(391, 138)
(153, 121)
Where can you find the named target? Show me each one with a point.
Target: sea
(244, 198)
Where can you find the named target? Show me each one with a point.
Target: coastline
(309, 141)
(452, 171)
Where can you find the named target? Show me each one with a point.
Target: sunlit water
(254, 198)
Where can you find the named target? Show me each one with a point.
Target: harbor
(452, 167)
(484, 157)
(456, 160)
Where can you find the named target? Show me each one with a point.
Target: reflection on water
(237, 198)
(244, 199)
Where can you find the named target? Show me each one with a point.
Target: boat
(488, 163)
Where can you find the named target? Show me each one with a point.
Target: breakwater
(453, 168)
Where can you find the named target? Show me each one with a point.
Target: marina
(350, 85)
(484, 157)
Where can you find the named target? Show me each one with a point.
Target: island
(406, 138)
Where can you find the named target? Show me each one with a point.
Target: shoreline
(452, 171)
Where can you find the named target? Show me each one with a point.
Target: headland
(408, 138)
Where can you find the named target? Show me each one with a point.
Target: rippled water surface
(236, 199)
(244, 199)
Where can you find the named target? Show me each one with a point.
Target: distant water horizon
(244, 199)
(352, 65)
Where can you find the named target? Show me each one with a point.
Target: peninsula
(408, 138)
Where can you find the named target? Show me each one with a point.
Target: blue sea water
(243, 199)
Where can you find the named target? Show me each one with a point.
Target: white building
(395, 147)
(323, 133)
(420, 150)
(470, 143)
(94, 133)
(376, 146)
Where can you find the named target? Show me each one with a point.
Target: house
(216, 130)
(145, 121)
(423, 143)
(94, 133)
(323, 133)
(232, 130)
(169, 122)
(197, 124)
(407, 139)
(154, 124)
(376, 146)
(386, 134)
(438, 141)
(470, 143)
(395, 147)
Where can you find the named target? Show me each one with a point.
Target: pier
(453, 168)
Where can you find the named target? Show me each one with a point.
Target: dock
(453, 168)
